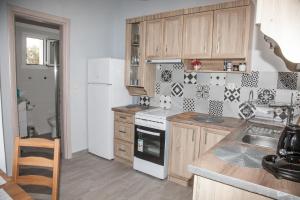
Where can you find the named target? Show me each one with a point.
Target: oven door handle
(148, 132)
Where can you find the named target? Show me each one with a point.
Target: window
(34, 51)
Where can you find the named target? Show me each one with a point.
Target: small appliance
(286, 164)
(151, 141)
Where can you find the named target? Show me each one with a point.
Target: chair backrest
(38, 162)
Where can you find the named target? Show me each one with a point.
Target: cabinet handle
(166, 49)
(193, 138)
(218, 47)
(121, 150)
(205, 138)
(122, 131)
(199, 149)
(204, 49)
(122, 117)
(156, 49)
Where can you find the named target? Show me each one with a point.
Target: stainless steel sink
(208, 119)
(262, 141)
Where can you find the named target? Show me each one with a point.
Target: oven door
(149, 144)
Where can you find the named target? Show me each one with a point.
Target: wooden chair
(38, 162)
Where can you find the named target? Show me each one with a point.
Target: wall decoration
(157, 88)
(215, 108)
(232, 94)
(246, 110)
(178, 66)
(218, 79)
(165, 101)
(190, 78)
(166, 75)
(202, 91)
(188, 105)
(177, 89)
(144, 101)
(250, 80)
(280, 114)
(287, 80)
(265, 96)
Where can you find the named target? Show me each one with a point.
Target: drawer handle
(122, 150)
(122, 131)
(122, 117)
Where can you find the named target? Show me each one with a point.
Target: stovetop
(159, 113)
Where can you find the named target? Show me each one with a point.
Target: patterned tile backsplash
(222, 94)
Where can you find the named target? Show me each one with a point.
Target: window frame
(24, 51)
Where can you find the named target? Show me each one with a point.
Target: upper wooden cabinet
(197, 35)
(164, 38)
(231, 32)
(154, 39)
(139, 77)
(172, 37)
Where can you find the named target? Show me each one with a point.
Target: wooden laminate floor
(87, 177)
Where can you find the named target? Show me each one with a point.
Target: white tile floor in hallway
(87, 177)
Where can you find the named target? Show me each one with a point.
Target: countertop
(255, 180)
(229, 123)
(131, 109)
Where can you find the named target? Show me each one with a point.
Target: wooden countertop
(131, 109)
(229, 123)
(252, 179)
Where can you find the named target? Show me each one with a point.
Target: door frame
(64, 25)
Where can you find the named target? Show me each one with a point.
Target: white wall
(30, 79)
(2, 150)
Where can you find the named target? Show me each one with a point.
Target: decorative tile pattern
(188, 104)
(250, 80)
(190, 78)
(178, 66)
(202, 91)
(157, 88)
(166, 75)
(177, 90)
(232, 94)
(144, 100)
(215, 108)
(246, 110)
(287, 80)
(280, 114)
(265, 96)
(218, 79)
(165, 101)
(296, 98)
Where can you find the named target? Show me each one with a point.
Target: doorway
(39, 49)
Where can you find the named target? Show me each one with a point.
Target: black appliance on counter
(286, 164)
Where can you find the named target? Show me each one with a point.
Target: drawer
(124, 131)
(124, 117)
(124, 150)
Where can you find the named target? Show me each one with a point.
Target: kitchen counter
(131, 109)
(255, 180)
(229, 123)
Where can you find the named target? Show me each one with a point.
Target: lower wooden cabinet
(183, 151)
(206, 189)
(187, 144)
(124, 137)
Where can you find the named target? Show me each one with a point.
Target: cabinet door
(182, 149)
(231, 32)
(173, 37)
(154, 39)
(210, 137)
(197, 35)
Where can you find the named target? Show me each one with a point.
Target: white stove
(154, 118)
(151, 141)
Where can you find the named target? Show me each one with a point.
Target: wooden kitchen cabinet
(231, 32)
(172, 44)
(124, 137)
(197, 35)
(210, 137)
(164, 38)
(154, 39)
(183, 151)
(208, 189)
(139, 76)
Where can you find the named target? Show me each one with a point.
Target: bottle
(242, 67)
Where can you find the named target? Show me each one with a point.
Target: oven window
(149, 144)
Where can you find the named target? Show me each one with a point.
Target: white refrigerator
(106, 89)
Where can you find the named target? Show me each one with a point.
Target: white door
(100, 121)
(2, 151)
